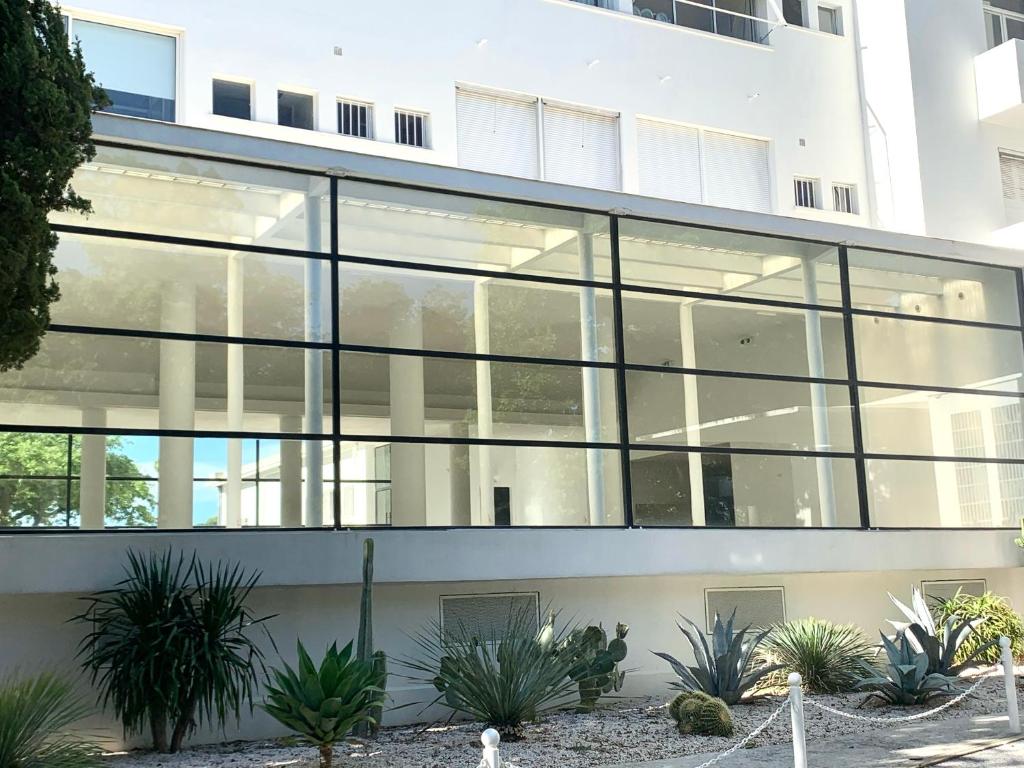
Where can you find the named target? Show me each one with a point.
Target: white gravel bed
(631, 730)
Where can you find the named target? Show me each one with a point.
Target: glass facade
(246, 346)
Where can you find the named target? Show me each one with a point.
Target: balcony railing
(738, 19)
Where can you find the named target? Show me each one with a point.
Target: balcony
(999, 73)
(730, 18)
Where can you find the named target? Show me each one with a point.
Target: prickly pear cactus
(597, 668)
(699, 713)
(364, 645)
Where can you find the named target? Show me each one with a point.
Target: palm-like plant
(324, 705)
(168, 645)
(906, 680)
(723, 669)
(829, 657)
(35, 716)
(942, 645)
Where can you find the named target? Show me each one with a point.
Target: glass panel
(661, 10)
(115, 283)
(1016, 6)
(1014, 28)
(936, 354)
(729, 336)
(945, 494)
(405, 225)
(741, 490)
(188, 197)
(149, 384)
(135, 68)
(925, 423)
(444, 485)
(472, 314)
(232, 99)
(676, 409)
(295, 110)
(414, 396)
(914, 285)
(687, 258)
(688, 15)
(993, 29)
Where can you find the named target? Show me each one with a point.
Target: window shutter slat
(497, 134)
(1011, 170)
(736, 169)
(581, 148)
(669, 160)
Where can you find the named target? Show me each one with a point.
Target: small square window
(805, 193)
(410, 128)
(232, 99)
(844, 198)
(295, 110)
(830, 20)
(355, 119)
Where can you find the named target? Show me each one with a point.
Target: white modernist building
(634, 308)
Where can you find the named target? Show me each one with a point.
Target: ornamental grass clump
(829, 657)
(993, 617)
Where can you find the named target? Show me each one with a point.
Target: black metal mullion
(335, 360)
(851, 372)
(67, 484)
(620, 376)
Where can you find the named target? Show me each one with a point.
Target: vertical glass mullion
(335, 361)
(851, 373)
(1019, 277)
(67, 483)
(620, 375)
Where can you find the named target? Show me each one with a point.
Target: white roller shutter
(1011, 168)
(581, 148)
(497, 134)
(736, 170)
(669, 158)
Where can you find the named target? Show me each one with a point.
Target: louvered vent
(757, 607)
(937, 591)
(488, 616)
(1011, 169)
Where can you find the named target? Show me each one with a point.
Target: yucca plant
(169, 646)
(324, 705)
(906, 680)
(36, 715)
(724, 669)
(501, 680)
(942, 645)
(995, 617)
(829, 657)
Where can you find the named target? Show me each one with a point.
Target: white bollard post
(1011, 684)
(490, 739)
(796, 715)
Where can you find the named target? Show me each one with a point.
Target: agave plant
(35, 716)
(829, 657)
(723, 669)
(324, 705)
(940, 645)
(906, 680)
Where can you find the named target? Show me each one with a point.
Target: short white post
(796, 715)
(1011, 684)
(490, 740)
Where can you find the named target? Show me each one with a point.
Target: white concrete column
(590, 352)
(92, 489)
(291, 474)
(459, 478)
(691, 415)
(484, 408)
(236, 392)
(313, 512)
(819, 398)
(177, 405)
(408, 460)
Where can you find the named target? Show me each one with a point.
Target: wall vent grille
(487, 615)
(758, 607)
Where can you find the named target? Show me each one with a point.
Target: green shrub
(829, 657)
(723, 669)
(502, 680)
(998, 619)
(698, 713)
(168, 645)
(906, 679)
(35, 715)
(324, 705)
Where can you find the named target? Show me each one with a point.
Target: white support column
(590, 352)
(459, 478)
(484, 411)
(819, 398)
(177, 405)
(313, 511)
(408, 460)
(236, 392)
(92, 490)
(691, 415)
(291, 474)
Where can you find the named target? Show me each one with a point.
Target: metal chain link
(746, 739)
(903, 718)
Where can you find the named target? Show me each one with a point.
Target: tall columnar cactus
(701, 714)
(597, 668)
(364, 641)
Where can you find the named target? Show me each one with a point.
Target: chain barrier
(748, 738)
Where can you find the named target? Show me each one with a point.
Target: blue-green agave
(906, 679)
(939, 644)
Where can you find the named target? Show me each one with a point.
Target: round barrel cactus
(700, 714)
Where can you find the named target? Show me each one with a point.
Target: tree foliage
(45, 134)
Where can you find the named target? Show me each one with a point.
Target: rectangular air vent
(937, 591)
(757, 607)
(488, 616)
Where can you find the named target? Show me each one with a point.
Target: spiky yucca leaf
(36, 714)
(829, 657)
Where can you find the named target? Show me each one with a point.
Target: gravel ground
(632, 730)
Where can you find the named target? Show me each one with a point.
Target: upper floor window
(410, 128)
(355, 119)
(844, 198)
(232, 99)
(135, 68)
(609, 4)
(1004, 20)
(295, 109)
(805, 192)
(830, 19)
(741, 19)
